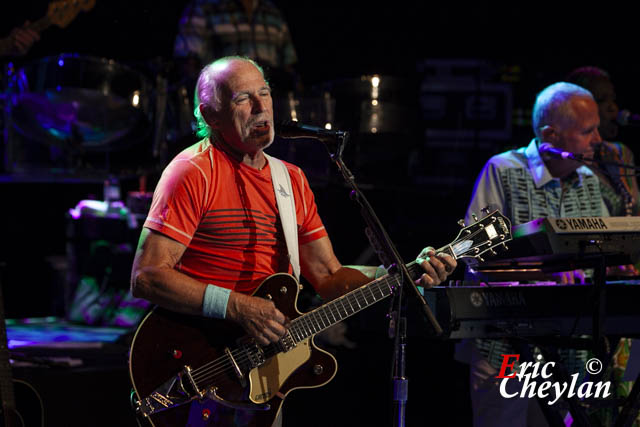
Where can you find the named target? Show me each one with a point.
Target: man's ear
(549, 134)
(209, 115)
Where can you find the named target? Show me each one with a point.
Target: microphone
(289, 129)
(627, 118)
(334, 140)
(551, 151)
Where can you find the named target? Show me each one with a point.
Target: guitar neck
(349, 304)
(41, 24)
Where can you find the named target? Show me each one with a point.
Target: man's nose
(259, 104)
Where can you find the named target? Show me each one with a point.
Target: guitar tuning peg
(461, 223)
(475, 218)
(480, 258)
(485, 210)
(493, 252)
(504, 245)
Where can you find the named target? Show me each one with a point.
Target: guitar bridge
(177, 391)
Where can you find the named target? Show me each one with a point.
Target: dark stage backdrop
(458, 82)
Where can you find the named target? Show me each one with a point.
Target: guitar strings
(308, 324)
(313, 322)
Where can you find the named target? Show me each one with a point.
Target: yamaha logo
(561, 224)
(476, 299)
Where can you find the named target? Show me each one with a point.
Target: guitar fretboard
(347, 305)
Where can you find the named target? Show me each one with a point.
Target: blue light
(61, 62)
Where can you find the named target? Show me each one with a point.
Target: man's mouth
(260, 127)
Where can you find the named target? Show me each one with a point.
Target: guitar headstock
(484, 235)
(62, 12)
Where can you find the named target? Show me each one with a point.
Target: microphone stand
(383, 242)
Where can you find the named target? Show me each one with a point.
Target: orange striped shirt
(225, 212)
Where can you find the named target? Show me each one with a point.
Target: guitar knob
(318, 369)
(206, 413)
(461, 223)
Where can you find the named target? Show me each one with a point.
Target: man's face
(605, 97)
(245, 116)
(579, 134)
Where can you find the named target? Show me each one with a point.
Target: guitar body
(192, 371)
(166, 342)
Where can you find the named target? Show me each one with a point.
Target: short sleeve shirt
(225, 213)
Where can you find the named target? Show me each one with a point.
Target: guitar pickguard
(267, 380)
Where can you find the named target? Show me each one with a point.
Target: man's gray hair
(552, 106)
(208, 90)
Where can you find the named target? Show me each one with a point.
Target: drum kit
(73, 114)
(77, 114)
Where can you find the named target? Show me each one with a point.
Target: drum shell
(79, 102)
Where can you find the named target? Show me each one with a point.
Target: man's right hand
(259, 317)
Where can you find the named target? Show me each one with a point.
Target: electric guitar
(188, 370)
(59, 13)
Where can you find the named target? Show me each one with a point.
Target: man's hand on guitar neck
(436, 266)
(258, 316)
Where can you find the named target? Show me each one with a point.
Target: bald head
(234, 107)
(212, 85)
(554, 106)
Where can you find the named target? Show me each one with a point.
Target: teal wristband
(214, 303)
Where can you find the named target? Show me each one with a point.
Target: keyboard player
(526, 184)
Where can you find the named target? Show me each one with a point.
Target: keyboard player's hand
(575, 277)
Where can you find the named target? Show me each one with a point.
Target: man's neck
(561, 168)
(256, 160)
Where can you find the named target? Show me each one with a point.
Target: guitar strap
(287, 208)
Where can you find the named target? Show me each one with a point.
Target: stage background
(418, 173)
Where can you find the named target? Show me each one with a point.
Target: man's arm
(487, 192)
(154, 278)
(331, 279)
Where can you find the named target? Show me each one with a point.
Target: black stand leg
(553, 417)
(400, 381)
